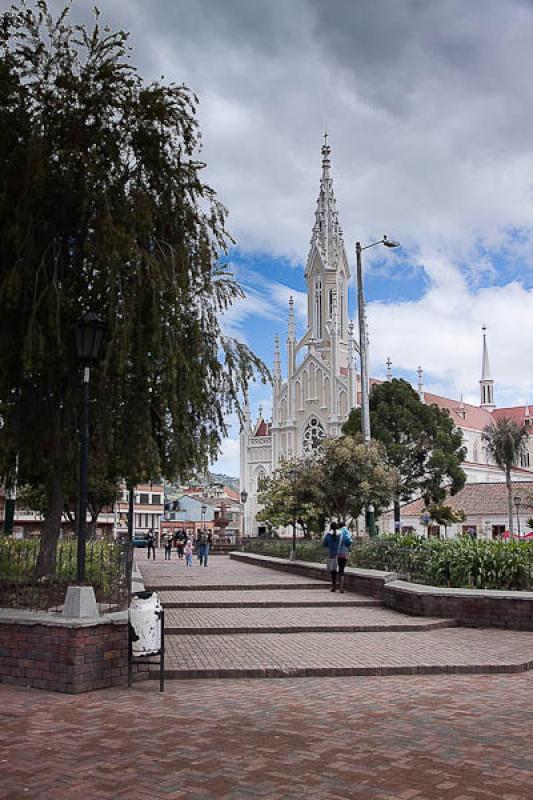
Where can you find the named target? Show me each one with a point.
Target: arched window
(313, 435)
(260, 479)
(475, 452)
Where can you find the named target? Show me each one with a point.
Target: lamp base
(80, 603)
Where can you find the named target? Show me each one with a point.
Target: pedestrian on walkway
(168, 546)
(150, 544)
(338, 543)
(188, 553)
(204, 546)
(181, 538)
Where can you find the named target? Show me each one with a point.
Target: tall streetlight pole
(517, 502)
(363, 349)
(292, 475)
(88, 333)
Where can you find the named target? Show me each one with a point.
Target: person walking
(338, 543)
(181, 538)
(150, 544)
(202, 547)
(343, 552)
(168, 546)
(188, 553)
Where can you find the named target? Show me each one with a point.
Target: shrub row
(462, 562)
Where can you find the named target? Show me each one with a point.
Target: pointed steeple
(486, 384)
(292, 324)
(327, 232)
(485, 367)
(420, 385)
(277, 359)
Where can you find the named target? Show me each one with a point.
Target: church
(322, 384)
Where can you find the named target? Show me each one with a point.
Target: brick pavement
(400, 738)
(282, 598)
(281, 620)
(300, 631)
(221, 571)
(455, 650)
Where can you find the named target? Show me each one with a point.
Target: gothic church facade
(322, 386)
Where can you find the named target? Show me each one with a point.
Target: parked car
(139, 540)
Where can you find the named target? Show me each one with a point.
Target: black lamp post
(292, 474)
(517, 503)
(244, 498)
(88, 334)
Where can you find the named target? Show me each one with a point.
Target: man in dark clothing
(150, 544)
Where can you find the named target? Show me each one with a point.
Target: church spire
(486, 384)
(327, 232)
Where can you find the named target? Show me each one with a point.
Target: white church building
(322, 385)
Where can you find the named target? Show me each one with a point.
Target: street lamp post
(244, 498)
(517, 503)
(291, 474)
(88, 334)
(363, 351)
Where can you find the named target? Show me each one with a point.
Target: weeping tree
(505, 441)
(103, 208)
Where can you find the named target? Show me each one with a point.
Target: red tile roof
(474, 417)
(516, 413)
(263, 429)
(479, 498)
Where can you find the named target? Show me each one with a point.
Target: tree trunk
(46, 560)
(397, 520)
(509, 499)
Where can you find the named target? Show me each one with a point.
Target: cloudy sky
(429, 109)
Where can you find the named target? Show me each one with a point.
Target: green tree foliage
(445, 514)
(420, 441)
(285, 497)
(103, 208)
(342, 478)
(505, 441)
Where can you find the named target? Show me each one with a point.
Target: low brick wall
(365, 581)
(471, 607)
(46, 651)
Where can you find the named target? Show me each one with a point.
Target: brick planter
(473, 607)
(46, 651)
(365, 581)
(469, 607)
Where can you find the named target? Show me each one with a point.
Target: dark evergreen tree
(103, 208)
(420, 440)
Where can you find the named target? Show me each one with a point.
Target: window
(144, 499)
(314, 434)
(475, 452)
(524, 459)
(332, 302)
(156, 499)
(318, 309)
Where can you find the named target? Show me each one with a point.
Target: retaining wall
(46, 651)
(469, 607)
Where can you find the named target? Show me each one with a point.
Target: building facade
(321, 385)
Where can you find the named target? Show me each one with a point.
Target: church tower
(486, 383)
(327, 273)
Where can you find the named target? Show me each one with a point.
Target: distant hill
(227, 480)
(173, 490)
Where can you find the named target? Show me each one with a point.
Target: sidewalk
(403, 738)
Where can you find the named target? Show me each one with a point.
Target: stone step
(349, 619)
(445, 651)
(284, 598)
(232, 587)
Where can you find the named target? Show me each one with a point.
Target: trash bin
(145, 621)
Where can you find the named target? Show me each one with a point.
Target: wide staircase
(235, 620)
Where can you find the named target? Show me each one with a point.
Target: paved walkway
(403, 738)
(236, 620)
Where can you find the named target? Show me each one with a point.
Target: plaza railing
(107, 566)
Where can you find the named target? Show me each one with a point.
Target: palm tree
(505, 441)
